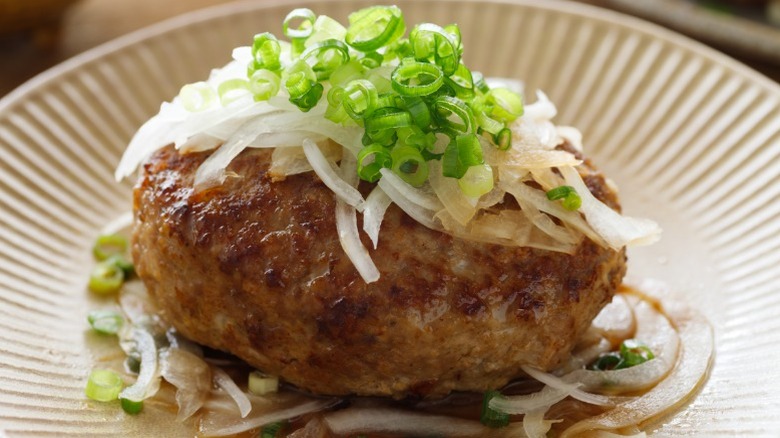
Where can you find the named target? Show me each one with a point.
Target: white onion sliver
(618, 231)
(355, 419)
(325, 170)
(420, 214)
(190, 375)
(148, 381)
(377, 203)
(534, 424)
(556, 382)
(521, 404)
(424, 198)
(223, 380)
(347, 229)
(458, 205)
(213, 424)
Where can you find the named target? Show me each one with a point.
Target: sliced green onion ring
(506, 104)
(370, 160)
(463, 152)
(390, 120)
(375, 27)
(325, 57)
(304, 28)
(360, 98)
(414, 78)
(197, 97)
(106, 278)
(266, 51)
(410, 165)
(569, 197)
(232, 90)
(477, 180)
(264, 84)
(454, 114)
(103, 385)
(107, 245)
(131, 407)
(491, 417)
(503, 140)
(105, 322)
(431, 41)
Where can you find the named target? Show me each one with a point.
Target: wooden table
(91, 22)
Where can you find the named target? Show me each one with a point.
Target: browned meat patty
(255, 268)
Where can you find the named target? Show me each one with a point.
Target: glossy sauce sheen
(255, 267)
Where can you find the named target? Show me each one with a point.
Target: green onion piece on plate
(103, 385)
(107, 245)
(491, 417)
(131, 407)
(105, 322)
(106, 278)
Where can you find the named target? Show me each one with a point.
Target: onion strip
(325, 170)
(148, 381)
(556, 382)
(223, 380)
(347, 229)
(377, 203)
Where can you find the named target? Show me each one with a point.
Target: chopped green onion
(506, 105)
(325, 28)
(461, 82)
(410, 165)
(631, 353)
(413, 78)
(123, 264)
(105, 322)
(347, 72)
(309, 99)
(491, 417)
(103, 385)
(374, 27)
(107, 245)
(271, 430)
(304, 28)
(370, 160)
(232, 90)
(454, 114)
(264, 84)
(634, 353)
(419, 111)
(266, 51)
(477, 180)
(360, 98)
(261, 384)
(372, 59)
(503, 140)
(569, 197)
(479, 82)
(131, 407)
(197, 97)
(106, 278)
(463, 152)
(431, 41)
(388, 120)
(325, 57)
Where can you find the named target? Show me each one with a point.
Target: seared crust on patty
(255, 267)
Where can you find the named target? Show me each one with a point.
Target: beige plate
(691, 136)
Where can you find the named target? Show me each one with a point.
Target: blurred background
(37, 34)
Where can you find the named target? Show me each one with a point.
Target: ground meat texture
(255, 268)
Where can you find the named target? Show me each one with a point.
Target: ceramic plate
(691, 137)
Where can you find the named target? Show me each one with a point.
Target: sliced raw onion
(459, 206)
(616, 320)
(330, 177)
(292, 161)
(216, 423)
(347, 228)
(190, 375)
(148, 381)
(616, 230)
(534, 424)
(685, 378)
(223, 380)
(558, 383)
(423, 196)
(376, 206)
(571, 135)
(540, 400)
(422, 215)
